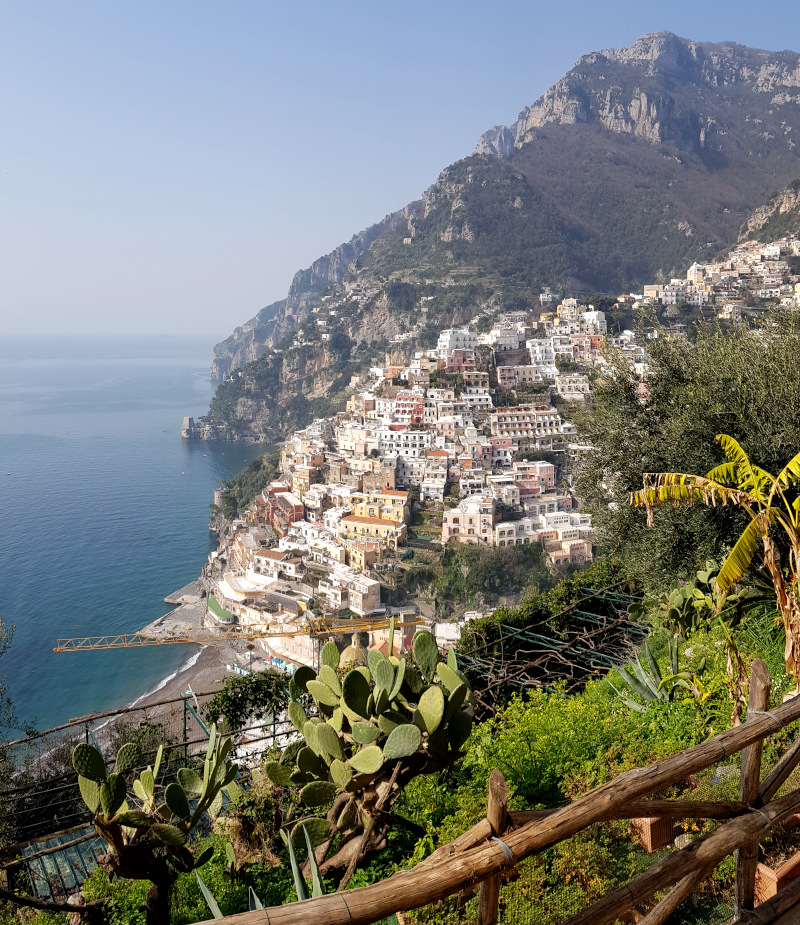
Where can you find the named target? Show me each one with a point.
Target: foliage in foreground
(257, 696)
(147, 833)
(745, 383)
(772, 536)
(378, 727)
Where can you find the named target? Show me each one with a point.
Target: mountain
(636, 163)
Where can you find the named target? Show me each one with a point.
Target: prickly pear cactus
(131, 822)
(377, 727)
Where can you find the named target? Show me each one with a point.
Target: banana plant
(377, 727)
(771, 538)
(649, 683)
(147, 830)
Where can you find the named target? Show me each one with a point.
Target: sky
(166, 166)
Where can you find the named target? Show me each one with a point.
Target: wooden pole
(638, 809)
(496, 814)
(701, 855)
(767, 912)
(683, 890)
(414, 888)
(779, 774)
(747, 855)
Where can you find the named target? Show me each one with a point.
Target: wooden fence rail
(499, 842)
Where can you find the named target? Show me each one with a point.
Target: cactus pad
(355, 693)
(365, 733)
(318, 792)
(88, 762)
(112, 795)
(430, 710)
(297, 715)
(323, 695)
(347, 817)
(175, 798)
(384, 675)
(337, 720)
(381, 700)
(191, 781)
(399, 677)
(310, 763)
(134, 819)
(374, 657)
(448, 677)
(128, 757)
(319, 831)
(426, 654)
(328, 740)
(387, 724)
(403, 741)
(452, 659)
(330, 655)
(279, 774)
(368, 760)
(413, 679)
(90, 791)
(341, 773)
(454, 703)
(328, 676)
(459, 729)
(298, 681)
(169, 834)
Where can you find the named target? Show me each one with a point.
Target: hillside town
(465, 443)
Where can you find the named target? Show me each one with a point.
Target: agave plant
(147, 831)
(378, 726)
(300, 885)
(651, 685)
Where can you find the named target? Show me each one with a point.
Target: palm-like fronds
(790, 472)
(740, 557)
(678, 488)
(743, 484)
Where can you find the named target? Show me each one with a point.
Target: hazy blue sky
(168, 166)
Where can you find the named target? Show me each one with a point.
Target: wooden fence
(503, 839)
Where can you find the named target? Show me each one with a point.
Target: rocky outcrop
(653, 90)
(785, 205)
(636, 163)
(273, 323)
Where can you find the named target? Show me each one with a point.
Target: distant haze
(167, 168)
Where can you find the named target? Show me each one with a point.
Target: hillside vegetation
(636, 163)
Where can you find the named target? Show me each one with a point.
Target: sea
(104, 512)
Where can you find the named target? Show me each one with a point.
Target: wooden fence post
(747, 855)
(496, 814)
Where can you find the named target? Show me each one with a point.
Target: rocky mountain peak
(661, 88)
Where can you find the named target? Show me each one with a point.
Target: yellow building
(303, 478)
(388, 532)
(363, 554)
(385, 505)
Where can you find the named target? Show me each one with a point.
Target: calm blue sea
(103, 510)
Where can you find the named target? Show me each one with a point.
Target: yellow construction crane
(247, 633)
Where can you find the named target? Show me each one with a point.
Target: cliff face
(636, 163)
(779, 217)
(662, 89)
(274, 322)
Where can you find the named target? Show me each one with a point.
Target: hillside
(633, 165)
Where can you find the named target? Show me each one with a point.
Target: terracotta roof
(352, 518)
(270, 554)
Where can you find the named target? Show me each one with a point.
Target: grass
(220, 612)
